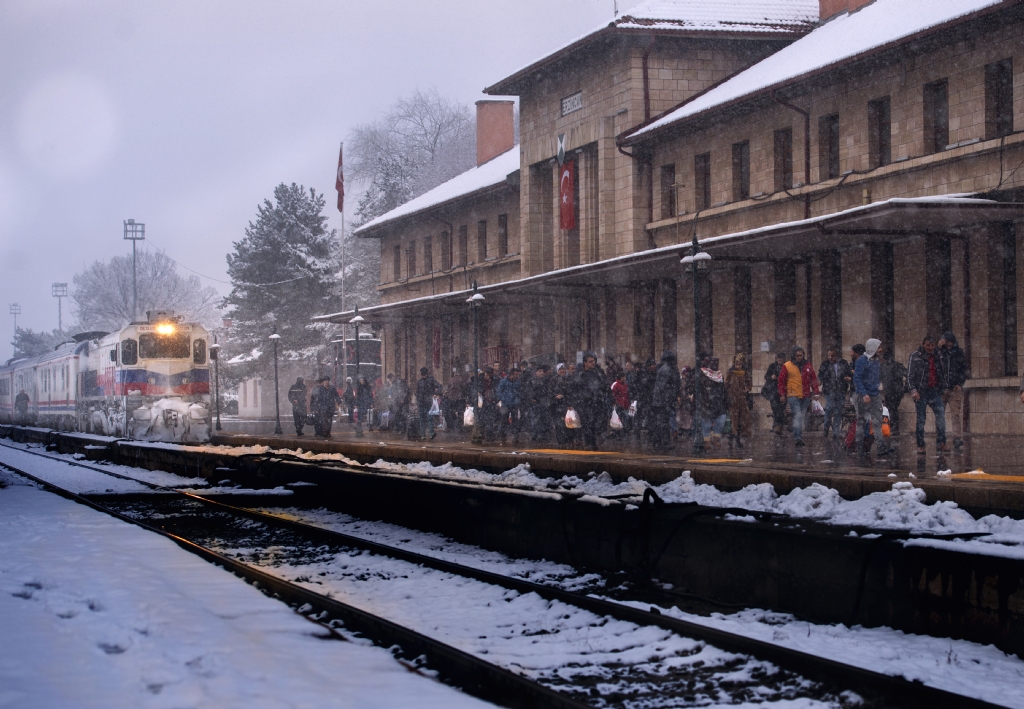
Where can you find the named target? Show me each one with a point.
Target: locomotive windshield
(175, 346)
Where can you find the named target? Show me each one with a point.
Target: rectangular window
(741, 171)
(481, 241)
(446, 250)
(502, 235)
(668, 191)
(879, 132)
(828, 147)
(702, 181)
(410, 255)
(936, 116)
(999, 99)
(428, 254)
(396, 263)
(783, 159)
(176, 346)
(463, 245)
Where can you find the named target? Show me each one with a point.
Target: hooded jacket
(666, 384)
(954, 361)
(809, 383)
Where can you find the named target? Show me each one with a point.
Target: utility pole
(133, 232)
(58, 291)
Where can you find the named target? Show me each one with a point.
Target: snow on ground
(957, 665)
(98, 613)
(84, 481)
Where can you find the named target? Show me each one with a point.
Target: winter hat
(560, 366)
(949, 337)
(871, 346)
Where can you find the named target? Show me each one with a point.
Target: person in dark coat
(324, 401)
(363, 399)
(593, 396)
(834, 376)
(926, 376)
(643, 394)
(712, 404)
(21, 402)
(563, 393)
(453, 400)
(894, 387)
(297, 398)
(738, 381)
(664, 397)
(400, 403)
(349, 398)
(770, 391)
(955, 363)
(536, 396)
(426, 389)
(510, 403)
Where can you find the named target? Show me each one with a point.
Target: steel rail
(910, 693)
(470, 674)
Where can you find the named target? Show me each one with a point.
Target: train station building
(853, 168)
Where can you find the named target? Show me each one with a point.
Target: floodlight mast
(58, 291)
(134, 231)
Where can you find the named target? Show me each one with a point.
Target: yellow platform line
(989, 478)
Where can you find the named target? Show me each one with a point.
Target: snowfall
(100, 613)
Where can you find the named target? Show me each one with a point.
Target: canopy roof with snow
(846, 38)
(478, 179)
(749, 18)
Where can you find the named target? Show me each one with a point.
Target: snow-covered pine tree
(29, 343)
(282, 274)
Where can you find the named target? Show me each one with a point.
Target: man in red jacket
(798, 383)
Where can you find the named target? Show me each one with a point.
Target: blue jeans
(799, 409)
(931, 398)
(834, 404)
(715, 425)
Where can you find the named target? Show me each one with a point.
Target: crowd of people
(654, 405)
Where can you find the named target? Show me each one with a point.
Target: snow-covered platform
(99, 613)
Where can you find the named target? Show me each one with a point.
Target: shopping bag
(435, 407)
(385, 420)
(816, 408)
(615, 423)
(572, 419)
(468, 417)
(886, 428)
(632, 410)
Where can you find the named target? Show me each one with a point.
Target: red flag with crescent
(339, 182)
(567, 195)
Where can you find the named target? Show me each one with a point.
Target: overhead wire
(218, 280)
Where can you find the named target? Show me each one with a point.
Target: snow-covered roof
(491, 173)
(746, 17)
(844, 38)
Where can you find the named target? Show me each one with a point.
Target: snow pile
(171, 420)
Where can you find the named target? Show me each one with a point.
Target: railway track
(225, 534)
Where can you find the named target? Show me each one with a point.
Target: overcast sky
(185, 115)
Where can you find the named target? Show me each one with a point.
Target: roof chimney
(495, 129)
(831, 8)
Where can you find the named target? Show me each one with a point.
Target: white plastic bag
(632, 410)
(816, 408)
(435, 407)
(468, 417)
(615, 424)
(572, 419)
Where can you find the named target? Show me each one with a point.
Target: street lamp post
(277, 391)
(133, 232)
(58, 291)
(357, 321)
(215, 356)
(475, 301)
(697, 262)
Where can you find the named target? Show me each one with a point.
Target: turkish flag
(339, 182)
(567, 195)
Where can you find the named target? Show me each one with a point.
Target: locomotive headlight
(165, 329)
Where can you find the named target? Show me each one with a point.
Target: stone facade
(614, 284)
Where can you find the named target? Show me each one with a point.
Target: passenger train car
(150, 380)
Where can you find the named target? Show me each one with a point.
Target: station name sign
(572, 103)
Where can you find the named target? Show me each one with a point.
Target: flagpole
(344, 362)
